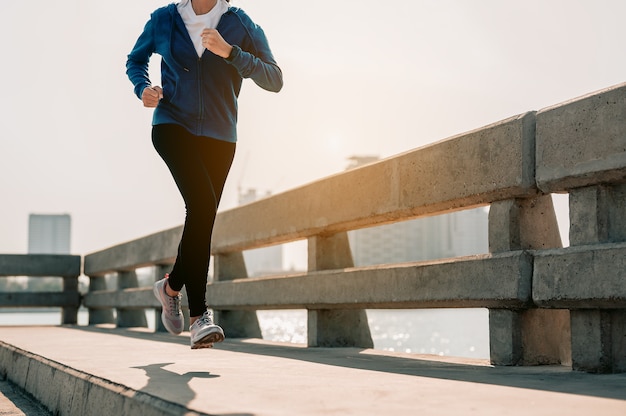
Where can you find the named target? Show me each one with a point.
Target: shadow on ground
(547, 378)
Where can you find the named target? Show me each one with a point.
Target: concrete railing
(44, 265)
(547, 304)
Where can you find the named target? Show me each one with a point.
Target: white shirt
(196, 24)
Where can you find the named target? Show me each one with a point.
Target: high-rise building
(449, 235)
(49, 233)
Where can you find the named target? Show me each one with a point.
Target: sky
(361, 78)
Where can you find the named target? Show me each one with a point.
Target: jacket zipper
(200, 100)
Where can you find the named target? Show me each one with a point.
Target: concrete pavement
(97, 371)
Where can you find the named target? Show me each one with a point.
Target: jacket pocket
(183, 95)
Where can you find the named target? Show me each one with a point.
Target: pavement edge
(63, 390)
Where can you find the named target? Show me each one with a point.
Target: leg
(199, 166)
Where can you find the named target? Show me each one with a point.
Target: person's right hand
(151, 96)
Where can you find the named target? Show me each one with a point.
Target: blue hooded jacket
(200, 94)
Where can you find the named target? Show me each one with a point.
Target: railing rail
(67, 267)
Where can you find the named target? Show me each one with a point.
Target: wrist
(234, 51)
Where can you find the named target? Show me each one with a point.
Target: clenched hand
(214, 42)
(151, 96)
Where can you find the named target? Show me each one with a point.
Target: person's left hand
(214, 42)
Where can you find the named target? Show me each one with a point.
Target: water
(443, 332)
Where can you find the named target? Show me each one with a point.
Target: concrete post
(129, 318)
(236, 323)
(99, 316)
(597, 216)
(505, 337)
(70, 313)
(598, 340)
(535, 336)
(340, 327)
(159, 273)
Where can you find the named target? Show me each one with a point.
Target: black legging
(199, 166)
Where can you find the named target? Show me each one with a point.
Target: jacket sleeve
(260, 66)
(139, 58)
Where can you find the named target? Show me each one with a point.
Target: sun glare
(334, 143)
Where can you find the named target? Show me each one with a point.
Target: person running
(207, 48)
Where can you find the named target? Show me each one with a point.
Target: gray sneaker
(204, 333)
(171, 315)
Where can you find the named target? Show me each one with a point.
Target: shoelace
(174, 304)
(205, 319)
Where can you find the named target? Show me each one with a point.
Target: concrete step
(15, 402)
(101, 371)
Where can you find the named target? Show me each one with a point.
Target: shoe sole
(208, 340)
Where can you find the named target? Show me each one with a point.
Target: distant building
(450, 235)
(261, 261)
(460, 233)
(49, 234)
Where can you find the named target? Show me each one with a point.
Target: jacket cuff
(234, 53)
